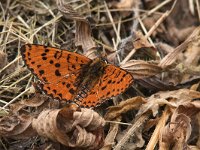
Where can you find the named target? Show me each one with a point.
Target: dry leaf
(132, 132)
(155, 84)
(76, 131)
(3, 59)
(36, 101)
(171, 57)
(139, 43)
(141, 69)
(16, 126)
(110, 138)
(83, 32)
(135, 142)
(4, 62)
(83, 38)
(124, 106)
(176, 134)
(171, 98)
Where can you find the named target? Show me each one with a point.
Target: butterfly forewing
(57, 69)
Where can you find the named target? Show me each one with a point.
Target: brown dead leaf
(132, 131)
(38, 101)
(4, 62)
(112, 133)
(16, 126)
(124, 106)
(83, 32)
(83, 38)
(76, 131)
(171, 98)
(141, 69)
(141, 42)
(88, 118)
(149, 22)
(138, 43)
(33, 102)
(136, 141)
(155, 84)
(171, 57)
(3, 59)
(176, 134)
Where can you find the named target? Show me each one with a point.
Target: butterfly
(73, 77)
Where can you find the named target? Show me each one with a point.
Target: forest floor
(147, 99)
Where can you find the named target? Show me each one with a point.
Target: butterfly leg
(100, 82)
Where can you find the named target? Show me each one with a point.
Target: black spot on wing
(44, 58)
(67, 85)
(51, 61)
(57, 65)
(57, 72)
(72, 91)
(41, 72)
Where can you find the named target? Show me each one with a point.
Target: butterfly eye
(104, 60)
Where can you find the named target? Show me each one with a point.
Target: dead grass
(150, 40)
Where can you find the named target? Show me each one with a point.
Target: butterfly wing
(57, 69)
(113, 82)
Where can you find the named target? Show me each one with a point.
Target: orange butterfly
(73, 77)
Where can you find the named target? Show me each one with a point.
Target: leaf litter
(157, 42)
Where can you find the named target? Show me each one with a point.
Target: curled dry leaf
(124, 106)
(83, 31)
(76, 131)
(87, 118)
(16, 126)
(176, 134)
(141, 69)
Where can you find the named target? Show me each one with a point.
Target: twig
(155, 136)
(111, 20)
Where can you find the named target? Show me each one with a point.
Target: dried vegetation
(157, 41)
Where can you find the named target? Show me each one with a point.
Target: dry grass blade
(160, 110)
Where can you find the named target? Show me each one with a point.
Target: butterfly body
(73, 77)
(90, 76)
